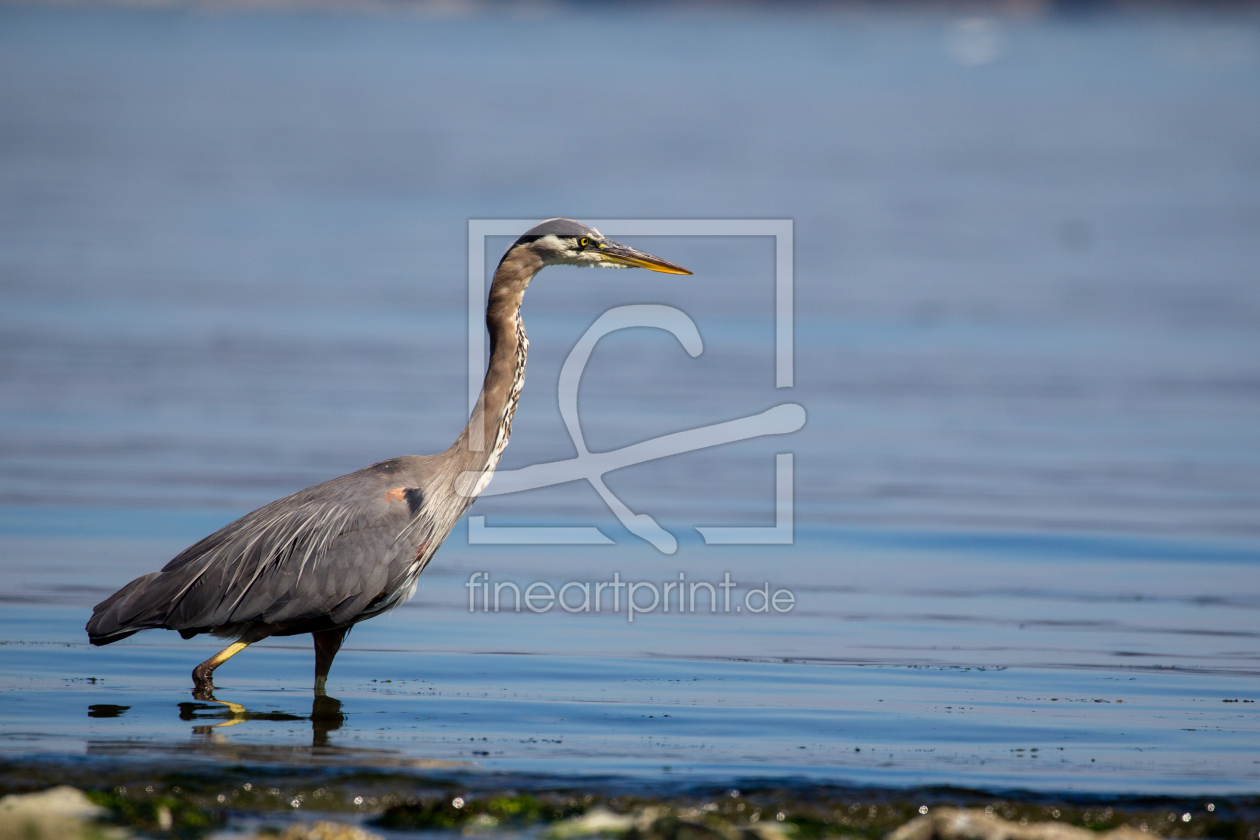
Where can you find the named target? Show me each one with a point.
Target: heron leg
(327, 643)
(203, 674)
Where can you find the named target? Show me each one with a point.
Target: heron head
(566, 242)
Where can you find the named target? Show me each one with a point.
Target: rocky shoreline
(367, 806)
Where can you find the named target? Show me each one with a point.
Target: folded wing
(328, 554)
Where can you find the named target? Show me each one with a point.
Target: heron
(325, 558)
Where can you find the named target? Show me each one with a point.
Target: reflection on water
(232, 713)
(106, 710)
(325, 716)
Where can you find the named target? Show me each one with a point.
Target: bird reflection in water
(326, 716)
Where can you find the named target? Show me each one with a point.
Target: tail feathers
(128, 611)
(109, 640)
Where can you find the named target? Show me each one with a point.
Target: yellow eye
(584, 242)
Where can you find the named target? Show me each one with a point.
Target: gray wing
(327, 552)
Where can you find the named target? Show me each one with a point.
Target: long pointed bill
(615, 252)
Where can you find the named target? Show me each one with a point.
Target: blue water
(1026, 500)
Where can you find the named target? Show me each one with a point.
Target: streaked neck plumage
(478, 448)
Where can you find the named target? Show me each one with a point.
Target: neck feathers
(478, 449)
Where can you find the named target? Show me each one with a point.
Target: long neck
(479, 446)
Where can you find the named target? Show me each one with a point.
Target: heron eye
(584, 242)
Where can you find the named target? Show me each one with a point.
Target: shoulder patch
(413, 496)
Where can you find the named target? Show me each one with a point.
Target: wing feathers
(329, 551)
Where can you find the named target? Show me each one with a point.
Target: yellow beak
(615, 252)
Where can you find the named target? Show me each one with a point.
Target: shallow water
(695, 721)
(1066, 671)
(1026, 498)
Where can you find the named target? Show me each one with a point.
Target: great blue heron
(332, 555)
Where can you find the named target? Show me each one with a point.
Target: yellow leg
(203, 674)
(226, 654)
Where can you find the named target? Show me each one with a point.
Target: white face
(592, 248)
(575, 250)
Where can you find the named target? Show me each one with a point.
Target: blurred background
(233, 247)
(233, 256)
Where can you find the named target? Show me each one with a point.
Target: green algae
(166, 814)
(456, 812)
(183, 802)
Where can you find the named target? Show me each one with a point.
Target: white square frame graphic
(780, 229)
